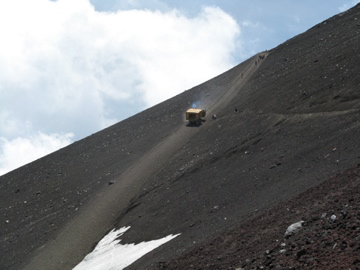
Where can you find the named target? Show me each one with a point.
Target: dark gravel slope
(297, 127)
(316, 71)
(40, 199)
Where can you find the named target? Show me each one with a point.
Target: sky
(70, 68)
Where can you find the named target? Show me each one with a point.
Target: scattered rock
(293, 228)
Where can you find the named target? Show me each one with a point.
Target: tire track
(99, 216)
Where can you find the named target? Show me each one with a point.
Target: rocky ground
(329, 237)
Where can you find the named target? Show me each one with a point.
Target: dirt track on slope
(77, 239)
(95, 219)
(237, 84)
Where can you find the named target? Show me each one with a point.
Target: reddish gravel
(328, 239)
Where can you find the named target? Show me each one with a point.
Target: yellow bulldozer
(194, 116)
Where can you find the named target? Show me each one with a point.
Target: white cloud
(20, 151)
(65, 67)
(185, 39)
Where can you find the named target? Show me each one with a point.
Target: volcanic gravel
(328, 239)
(230, 186)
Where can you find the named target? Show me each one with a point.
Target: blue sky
(69, 68)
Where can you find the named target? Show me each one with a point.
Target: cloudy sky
(69, 68)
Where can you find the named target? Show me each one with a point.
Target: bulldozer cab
(194, 116)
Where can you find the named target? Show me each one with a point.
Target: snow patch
(109, 254)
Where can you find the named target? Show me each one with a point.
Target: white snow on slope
(109, 254)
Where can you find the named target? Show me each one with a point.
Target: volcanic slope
(297, 125)
(49, 205)
(102, 211)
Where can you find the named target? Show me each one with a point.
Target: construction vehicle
(194, 116)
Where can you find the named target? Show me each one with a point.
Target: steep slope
(314, 72)
(327, 239)
(298, 125)
(100, 214)
(40, 199)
